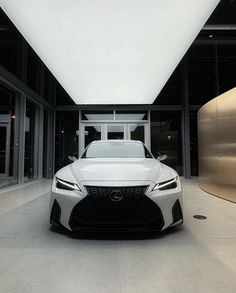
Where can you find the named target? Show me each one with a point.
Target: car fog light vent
(200, 217)
(55, 213)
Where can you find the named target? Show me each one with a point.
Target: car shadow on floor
(116, 235)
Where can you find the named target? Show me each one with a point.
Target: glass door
(9, 127)
(91, 133)
(100, 131)
(3, 148)
(103, 131)
(136, 132)
(113, 124)
(116, 131)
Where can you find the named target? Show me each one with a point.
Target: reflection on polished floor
(199, 256)
(6, 181)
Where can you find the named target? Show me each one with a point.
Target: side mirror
(72, 158)
(161, 157)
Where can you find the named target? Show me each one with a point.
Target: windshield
(116, 150)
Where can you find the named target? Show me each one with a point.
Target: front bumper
(77, 211)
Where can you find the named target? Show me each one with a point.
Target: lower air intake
(132, 212)
(55, 213)
(177, 212)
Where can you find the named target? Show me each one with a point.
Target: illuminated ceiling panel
(110, 51)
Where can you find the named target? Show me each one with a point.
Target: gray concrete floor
(199, 256)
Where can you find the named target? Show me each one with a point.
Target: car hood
(116, 169)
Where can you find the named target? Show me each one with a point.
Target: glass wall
(123, 123)
(201, 74)
(67, 124)
(226, 67)
(33, 70)
(193, 142)
(137, 132)
(115, 131)
(8, 137)
(30, 172)
(166, 137)
(207, 69)
(23, 138)
(171, 93)
(92, 133)
(9, 45)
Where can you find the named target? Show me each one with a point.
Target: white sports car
(116, 185)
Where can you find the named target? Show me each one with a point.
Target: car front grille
(99, 211)
(126, 191)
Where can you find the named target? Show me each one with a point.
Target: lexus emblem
(116, 195)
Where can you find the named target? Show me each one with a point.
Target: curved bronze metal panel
(217, 146)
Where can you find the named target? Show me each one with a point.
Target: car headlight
(62, 184)
(169, 184)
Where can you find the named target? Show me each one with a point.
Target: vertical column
(51, 144)
(16, 137)
(36, 142)
(40, 142)
(185, 122)
(21, 145)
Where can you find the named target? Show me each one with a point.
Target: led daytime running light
(165, 183)
(68, 184)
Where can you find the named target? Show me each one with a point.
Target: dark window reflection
(10, 39)
(166, 137)
(66, 137)
(62, 97)
(137, 132)
(92, 133)
(201, 74)
(226, 67)
(171, 93)
(115, 131)
(8, 139)
(193, 143)
(29, 170)
(225, 13)
(33, 68)
(3, 148)
(49, 88)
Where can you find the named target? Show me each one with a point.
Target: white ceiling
(110, 51)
